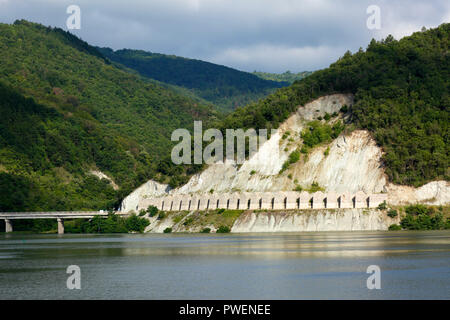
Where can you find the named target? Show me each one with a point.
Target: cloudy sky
(263, 35)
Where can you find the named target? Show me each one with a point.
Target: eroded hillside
(349, 163)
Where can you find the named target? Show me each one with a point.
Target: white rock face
(433, 193)
(261, 172)
(323, 220)
(352, 164)
(101, 175)
(149, 189)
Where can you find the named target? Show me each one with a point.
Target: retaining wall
(266, 200)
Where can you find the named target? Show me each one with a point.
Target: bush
(392, 213)
(382, 206)
(220, 211)
(152, 211)
(298, 188)
(167, 230)
(424, 222)
(223, 229)
(394, 227)
(417, 209)
(205, 230)
(142, 213)
(315, 187)
(161, 215)
(135, 223)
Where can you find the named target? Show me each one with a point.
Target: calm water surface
(316, 265)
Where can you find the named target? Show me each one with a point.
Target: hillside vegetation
(66, 109)
(402, 96)
(287, 76)
(225, 87)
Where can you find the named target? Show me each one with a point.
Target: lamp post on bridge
(8, 226)
(60, 225)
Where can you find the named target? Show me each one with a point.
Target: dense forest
(67, 110)
(402, 96)
(223, 86)
(287, 76)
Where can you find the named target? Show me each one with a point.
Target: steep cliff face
(322, 220)
(288, 221)
(149, 189)
(433, 193)
(350, 163)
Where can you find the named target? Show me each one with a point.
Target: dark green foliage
(136, 224)
(418, 209)
(294, 156)
(287, 76)
(84, 114)
(161, 215)
(382, 206)
(392, 213)
(423, 222)
(395, 227)
(152, 211)
(223, 229)
(167, 230)
(318, 133)
(142, 213)
(206, 230)
(315, 187)
(112, 224)
(402, 96)
(223, 86)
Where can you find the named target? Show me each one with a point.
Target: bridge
(58, 215)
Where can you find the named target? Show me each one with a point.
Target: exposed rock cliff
(323, 220)
(352, 163)
(149, 189)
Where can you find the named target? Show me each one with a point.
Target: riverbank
(413, 217)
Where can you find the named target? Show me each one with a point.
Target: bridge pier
(8, 226)
(60, 225)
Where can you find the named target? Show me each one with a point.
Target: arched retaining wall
(266, 200)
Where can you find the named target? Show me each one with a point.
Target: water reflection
(200, 266)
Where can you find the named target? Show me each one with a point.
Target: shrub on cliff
(152, 211)
(392, 213)
(394, 227)
(223, 229)
(167, 230)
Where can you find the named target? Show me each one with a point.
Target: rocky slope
(323, 220)
(351, 163)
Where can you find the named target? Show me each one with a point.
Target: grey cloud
(266, 35)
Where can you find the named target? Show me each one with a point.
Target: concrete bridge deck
(58, 215)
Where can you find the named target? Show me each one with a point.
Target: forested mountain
(287, 76)
(225, 87)
(402, 96)
(67, 110)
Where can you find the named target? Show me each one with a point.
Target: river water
(313, 265)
